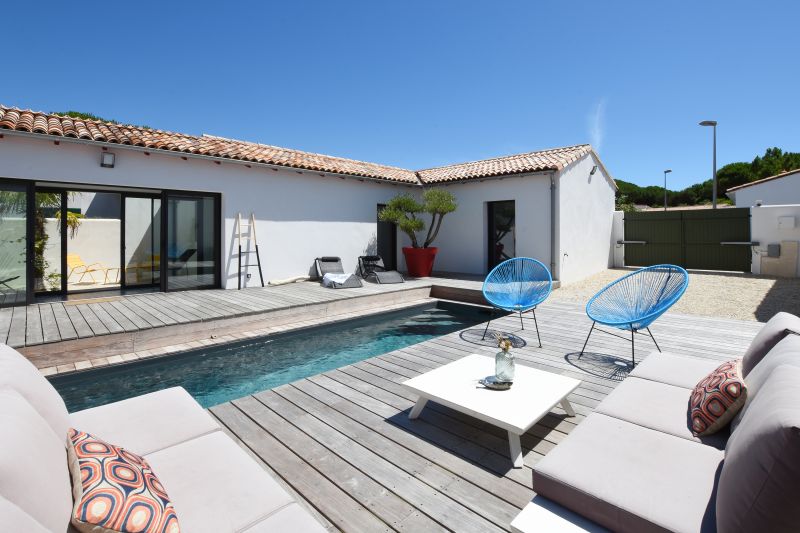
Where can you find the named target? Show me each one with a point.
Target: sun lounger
(371, 268)
(337, 279)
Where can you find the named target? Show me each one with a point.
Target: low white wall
(764, 228)
(586, 207)
(782, 191)
(463, 238)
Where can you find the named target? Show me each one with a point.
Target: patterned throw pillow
(114, 490)
(717, 399)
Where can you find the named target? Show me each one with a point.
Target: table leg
(567, 407)
(417, 409)
(516, 449)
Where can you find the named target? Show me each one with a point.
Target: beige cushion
(786, 352)
(292, 518)
(20, 374)
(33, 464)
(147, 423)
(12, 518)
(215, 486)
(759, 488)
(771, 334)
(114, 490)
(626, 477)
(674, 370)
(717, 398)
(656, 406)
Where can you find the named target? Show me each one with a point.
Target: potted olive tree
(403, 210)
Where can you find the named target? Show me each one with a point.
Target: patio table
(533, 394)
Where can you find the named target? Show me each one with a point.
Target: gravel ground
(741, 296)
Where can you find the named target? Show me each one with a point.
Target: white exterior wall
(585, 212)
(463, 238)
(781, 191)
(300, 216)
(764, 228)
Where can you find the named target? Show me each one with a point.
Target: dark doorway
(387, 242)
(502, 237)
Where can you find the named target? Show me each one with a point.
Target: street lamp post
(665, 188)
(713, 123)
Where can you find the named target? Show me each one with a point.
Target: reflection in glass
(93, 240)
(13, 204)
(142, 241)
(501, 232)
(47, 241)
(191, 246)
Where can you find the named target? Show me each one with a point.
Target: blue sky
(427, 83)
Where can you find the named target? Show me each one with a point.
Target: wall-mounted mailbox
(786, 222)
(773, 250)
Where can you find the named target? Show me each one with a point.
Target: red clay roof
(94, 130)
(762, 180)
(543, 160)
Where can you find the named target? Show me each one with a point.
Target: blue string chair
(518, 285)
(636, 300)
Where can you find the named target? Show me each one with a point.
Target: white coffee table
(532, 396)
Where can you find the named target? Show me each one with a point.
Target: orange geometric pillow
(717, 398)
(114, 490)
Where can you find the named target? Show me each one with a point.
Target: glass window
(93, 240)
(191, 242)
(142, 241)
(13, 225)
(47, 241)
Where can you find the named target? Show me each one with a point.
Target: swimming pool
(222, 373)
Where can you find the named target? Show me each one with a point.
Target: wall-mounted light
(107, 160)
(594, 169)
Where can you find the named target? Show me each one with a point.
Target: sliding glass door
(142, 241)
(13, 244)
(192, 241)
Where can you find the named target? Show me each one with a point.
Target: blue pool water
(218, 374)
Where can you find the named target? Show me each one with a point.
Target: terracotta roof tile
(208, 145)
(762, 180)
(543, 160)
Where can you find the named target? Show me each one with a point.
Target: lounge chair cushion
(215, 486)
(786, 352)
(13, 518)
(717, 398)
(291, 518)
(758, 486)
(630, 478)
(771, 334)
(147, 423)
(20, 374)
(33, 464)
(672, 369)
(115, 490)
(657, 406)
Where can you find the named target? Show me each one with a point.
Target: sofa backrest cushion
(34, 474)
(13, 518)
(786, 352)
(758, 486)
(771, 334)
(18, 373)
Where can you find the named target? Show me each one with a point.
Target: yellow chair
(77, 266)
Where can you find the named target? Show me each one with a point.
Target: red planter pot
(420, 261)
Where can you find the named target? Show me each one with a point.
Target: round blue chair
(518, 285)
(636, 300)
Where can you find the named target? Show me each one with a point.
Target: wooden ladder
(247, 236)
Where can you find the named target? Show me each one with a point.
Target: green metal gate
(705, 239)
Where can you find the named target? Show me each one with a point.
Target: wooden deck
(343, 442)
(80, 319)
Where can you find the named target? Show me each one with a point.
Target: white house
(154, 208)
(781, 189)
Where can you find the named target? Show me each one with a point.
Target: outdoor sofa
(215, 486)
(634, 464)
